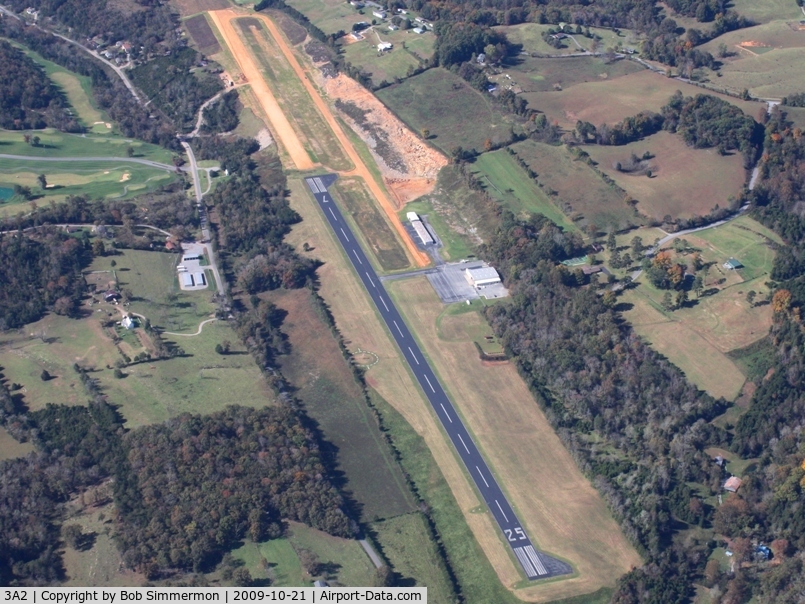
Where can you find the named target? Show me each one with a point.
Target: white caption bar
(226, 595)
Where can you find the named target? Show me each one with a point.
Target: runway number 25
(515, 535)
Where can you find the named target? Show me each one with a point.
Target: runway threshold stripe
(481, 474)
(527, 566)
(358, 258)
(384, 303)
(429, 384)
(345, 234)
(534, 557)
(409, 348)
(451, 421)
(312, 185)
(501, 511)
(320, 184)
(463, 443)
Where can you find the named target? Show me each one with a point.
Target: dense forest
(40, 274)
(222, 116)
(28, 99)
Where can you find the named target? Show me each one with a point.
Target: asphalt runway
(536, 564)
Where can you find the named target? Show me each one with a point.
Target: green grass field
(330, 15)
(767, 10)
(110, 180)
(319, 140)
(374, 226)
(60, 144)
(685, 182)
(772, 74)
(456, 245)
(200, 381)
(386, 65)
(333, 399)
(11, 448)
(526, 74)
(507, 182)
(529, 35)
(444, 104)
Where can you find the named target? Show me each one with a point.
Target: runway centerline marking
(501, 510)
(463, 443)
(398, 329)
(333, 213)
(429, 384)
(345, 234)
(370, 280)
(412, 352)
(451, 421)
(358, 258)
(384, 303)
(481, 474)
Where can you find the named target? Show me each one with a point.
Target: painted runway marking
(312, 185)
(398, 329)
(384, 303)
(429, 384)
(324, 200)
(451, 421)
(320, 184)
(534, 556)
(333, 213)
(370, 280)
(409, 349)
(358, 258)
(525, 562)
(501, 510)
(463, 443)
(486, 483)
(345, 234)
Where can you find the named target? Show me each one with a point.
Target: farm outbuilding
(485, 275)
(733, 264)
(200, 279)
(187, 280)
(384, 46)
(732, 484)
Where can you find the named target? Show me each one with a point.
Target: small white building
(483, 275)
(128, 322)
(418, 30)
(380, 14)
(412, 216)
(384, 46)
(187, 280)
(393, 27)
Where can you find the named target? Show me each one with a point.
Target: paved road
(132, 160)
(536, 565)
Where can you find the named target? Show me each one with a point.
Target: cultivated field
(529, 36)
(563, 514)
(505, 180)
(587, 197)
(685, 182)
(698, 337)
(444, 104)
(372, 223)
(609, 101)
(527, 74)
(199, 381)
(333, 399)
(202, 33)
(191, 7)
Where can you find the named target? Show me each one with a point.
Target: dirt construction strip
(223, 20)
(282, 127)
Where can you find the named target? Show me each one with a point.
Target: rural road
(190, 335)
(536, 565)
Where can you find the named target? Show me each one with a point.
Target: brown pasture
(610, 101)
(562, 511)
(202, 35)
(192, 7)
(685, 182)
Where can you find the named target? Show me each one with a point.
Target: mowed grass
(372, 222)
(767, 10)
(529, 36)
(699, 337)
(199, 381)
(561, 511)
(331, 15)
(526, 74)
(611, 100)
(588, 199)
(319, 140)
(455, 114)
(455, 245)
(61, 144)
(382, 66)
(685, 182)
(773, 74)
(278, 559)
(333, 399)
(505, 180)
(95, 179)
(413, 557)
